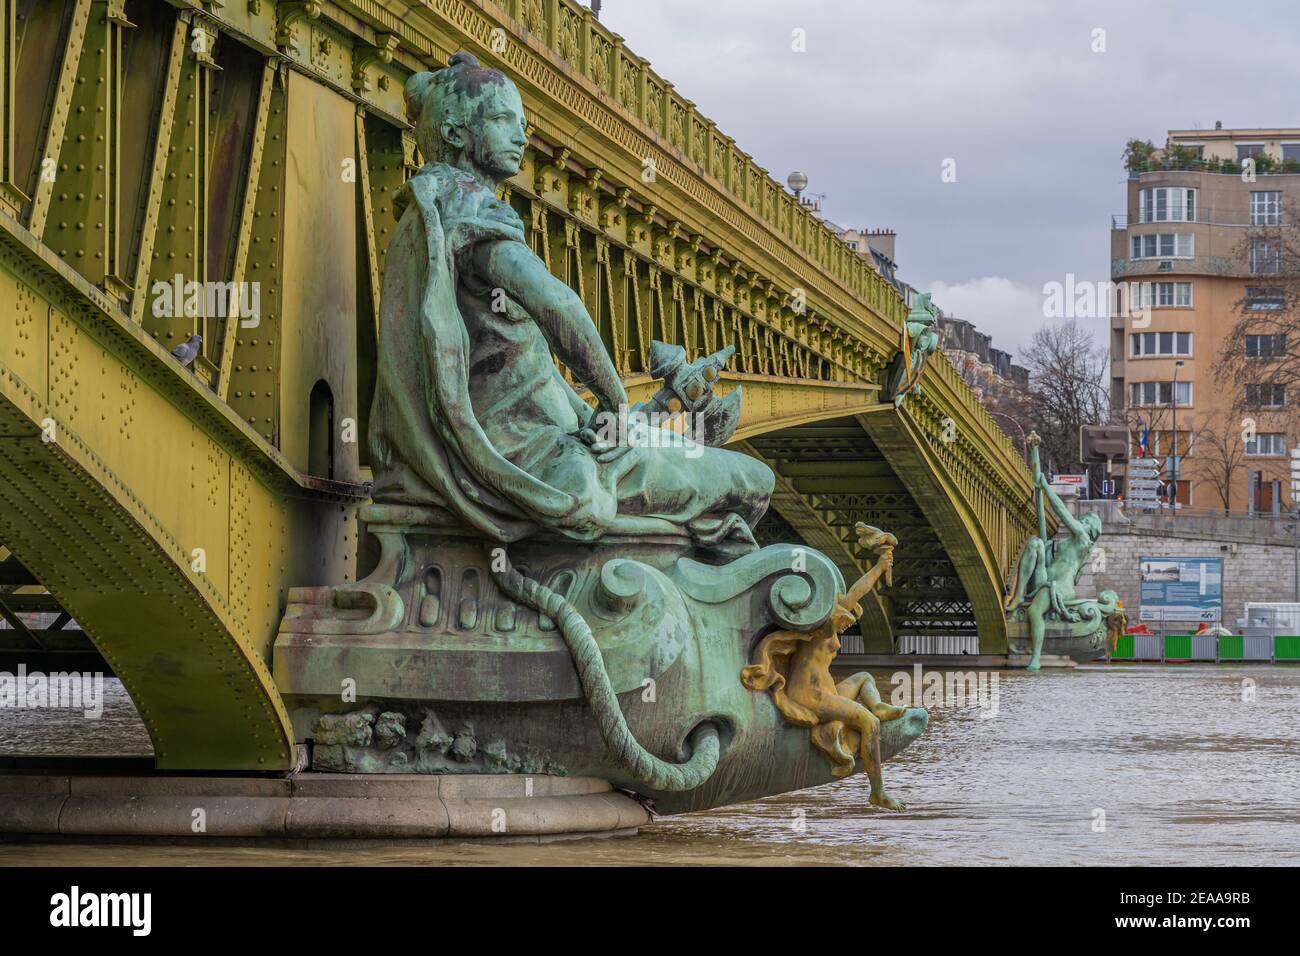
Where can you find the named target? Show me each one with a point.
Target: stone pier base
(312, 808)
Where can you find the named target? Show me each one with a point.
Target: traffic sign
(1144, 484)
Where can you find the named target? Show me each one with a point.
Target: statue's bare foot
(1034, 664)
(886, 802)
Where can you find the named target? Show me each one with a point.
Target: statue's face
(496, 136)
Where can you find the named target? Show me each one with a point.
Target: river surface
(1118, 764)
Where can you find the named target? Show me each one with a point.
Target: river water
(1118, 764)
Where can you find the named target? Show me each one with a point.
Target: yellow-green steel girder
(153, 514)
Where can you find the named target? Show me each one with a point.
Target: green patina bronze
(471, 413)
(917, 342)
(1043, 607)
(552, 594)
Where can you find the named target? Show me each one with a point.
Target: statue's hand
(603, 451)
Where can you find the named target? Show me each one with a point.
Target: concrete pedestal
(312, 808)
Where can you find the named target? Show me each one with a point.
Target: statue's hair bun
(464, 58)
(415, 91)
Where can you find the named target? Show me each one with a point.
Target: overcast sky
(1011, 90)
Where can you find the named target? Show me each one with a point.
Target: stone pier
(311, 809)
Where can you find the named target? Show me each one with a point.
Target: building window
(1265, 257)
(1160, 394)
(1247, 150)
(1164, 245)
(1265, 299)
(852, 244)
(1267, 443)
(1266, 208)
(1266, 395)
(1291, 152)
(1168, 204)
(1144, 344)
(1162, 295)
(1160, 444)
(1265, 346)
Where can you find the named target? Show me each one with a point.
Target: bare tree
(1262, 349)
(1220, 454)
(1066, 374)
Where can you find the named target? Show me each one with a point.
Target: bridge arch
(268, 154)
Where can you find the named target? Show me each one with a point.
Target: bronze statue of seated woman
(471, 414)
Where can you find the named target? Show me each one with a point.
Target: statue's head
(469, 116)
(922, 310)
(1092, 524)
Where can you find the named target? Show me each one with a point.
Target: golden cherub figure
(844, 718)
(1116, 627)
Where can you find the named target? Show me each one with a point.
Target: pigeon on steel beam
(185, 354)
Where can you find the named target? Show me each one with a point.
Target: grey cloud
(1011, 90)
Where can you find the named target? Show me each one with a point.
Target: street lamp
(1173, 498)
(797, 182)
(1013, 421)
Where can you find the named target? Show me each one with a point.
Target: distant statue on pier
(917, 342)
(471, 415)
(1049, 569)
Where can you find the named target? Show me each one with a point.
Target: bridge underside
(833, 474)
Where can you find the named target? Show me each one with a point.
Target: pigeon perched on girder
(185, 354)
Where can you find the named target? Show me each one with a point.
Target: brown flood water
(1184, 769)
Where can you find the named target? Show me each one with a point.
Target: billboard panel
(1181, 589)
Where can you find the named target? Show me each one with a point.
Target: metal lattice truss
(840, 477)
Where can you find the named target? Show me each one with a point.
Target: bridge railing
(962, 391)
(600, 55)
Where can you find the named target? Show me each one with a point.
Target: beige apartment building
(1184, 248)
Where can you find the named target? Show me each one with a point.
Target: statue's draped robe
(471, 415)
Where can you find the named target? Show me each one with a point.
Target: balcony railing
(1203, 217)
(1225, 167)
(1194, 265)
